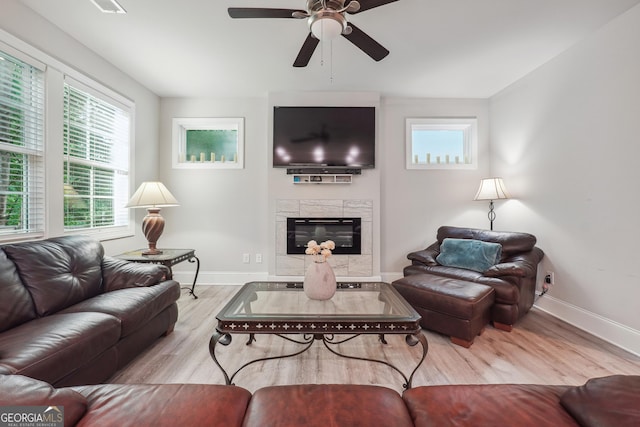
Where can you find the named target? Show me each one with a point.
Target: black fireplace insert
(345, 233)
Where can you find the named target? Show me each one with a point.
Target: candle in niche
(428, 158)
(415, 159)
(466, 160)
(182, 158)
(193, 158)
(202, 157)
(457, 159)
(235, 157)
(213, 157)
(438, 159)
(446, 159)
(222, 158)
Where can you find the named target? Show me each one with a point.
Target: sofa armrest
(521, 265)
(426, 256)
(18, 390)
(120, 274)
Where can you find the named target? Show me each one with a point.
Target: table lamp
(153, 196)
(491, 189)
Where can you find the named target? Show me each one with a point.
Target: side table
(169, 258)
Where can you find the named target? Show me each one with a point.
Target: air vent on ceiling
(109, 6)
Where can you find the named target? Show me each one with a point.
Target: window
(208, 143)
(441, 143)
(21, 147)
(96, 138)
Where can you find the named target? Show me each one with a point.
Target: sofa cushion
(58, 272)
(487, 405)
(16, 305)
(134, 306)
(613, 400)
(189, 405)
(16, 390)
(326, 405)
(52, 347)
(471, 254)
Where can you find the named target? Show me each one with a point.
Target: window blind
(22, 204)
(96, 166)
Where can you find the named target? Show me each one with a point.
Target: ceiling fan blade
(368, 45)
(257, 12)
(308, 47)
(370, 4)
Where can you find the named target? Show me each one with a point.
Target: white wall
(416, 202)
(565, 138)
(223, 212)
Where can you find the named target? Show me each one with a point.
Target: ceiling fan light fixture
(327, 25)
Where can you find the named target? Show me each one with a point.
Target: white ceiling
(439, 48)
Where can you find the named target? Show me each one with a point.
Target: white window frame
(55, 74)
(122, 182)
(469, 126)
(33, 192)
(206, 160)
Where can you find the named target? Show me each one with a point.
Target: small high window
(208, 143)
(441, 143)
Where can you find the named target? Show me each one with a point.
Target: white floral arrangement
(323, 249)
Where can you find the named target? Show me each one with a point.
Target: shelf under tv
(322, 179)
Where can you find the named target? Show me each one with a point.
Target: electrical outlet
(550, 278)
(258, 258)
(246, 258)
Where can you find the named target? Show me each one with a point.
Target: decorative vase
(319, 281)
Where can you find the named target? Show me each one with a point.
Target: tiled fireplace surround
(343, 265)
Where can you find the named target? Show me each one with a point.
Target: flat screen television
(327, 137)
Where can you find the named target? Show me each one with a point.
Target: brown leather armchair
(513, 278)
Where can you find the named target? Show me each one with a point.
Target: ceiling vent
(108, 6)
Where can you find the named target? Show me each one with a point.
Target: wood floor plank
(540, 350)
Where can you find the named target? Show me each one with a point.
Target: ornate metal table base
(307, 341)
(168, 258)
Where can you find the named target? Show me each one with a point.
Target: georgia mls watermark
(31, 416)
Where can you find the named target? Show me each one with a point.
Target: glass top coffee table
(283, 309)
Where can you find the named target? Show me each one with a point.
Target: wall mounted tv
(324, 137)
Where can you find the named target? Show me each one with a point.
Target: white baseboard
(219, 277)
(613, 332)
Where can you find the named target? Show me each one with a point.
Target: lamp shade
(151, 194)
(492, 189)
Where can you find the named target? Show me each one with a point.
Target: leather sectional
(608, 401)
(69, 315)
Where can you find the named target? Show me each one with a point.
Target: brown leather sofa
(69, 315)
(607, 401)
(459, 301)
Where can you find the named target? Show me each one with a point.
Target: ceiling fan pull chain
(331, 61)
(322, 44)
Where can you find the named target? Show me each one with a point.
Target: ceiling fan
(326, 20)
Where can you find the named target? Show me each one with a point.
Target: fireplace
(345, 233)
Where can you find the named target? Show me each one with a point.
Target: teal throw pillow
(470, 254)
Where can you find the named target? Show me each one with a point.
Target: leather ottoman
(452, 307)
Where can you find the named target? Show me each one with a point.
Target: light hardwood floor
(539, 350)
